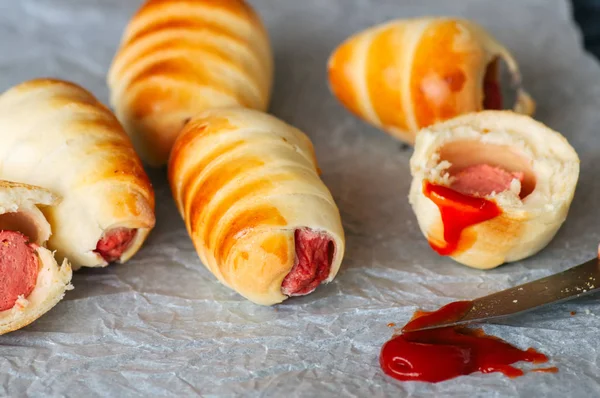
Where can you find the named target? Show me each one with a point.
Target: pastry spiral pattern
(408, 74)
(58, 136)
(180, 57)
(260, 217)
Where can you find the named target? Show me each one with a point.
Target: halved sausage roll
(180, 57)
(31, 282)
(491, 187)
(261, 219)
(407, 74)
(58, 136)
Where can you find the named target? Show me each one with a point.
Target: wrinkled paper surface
(163, 326)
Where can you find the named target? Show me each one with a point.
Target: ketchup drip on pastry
(19, 267)
(314, 253)
(458, 212)
(492, 95)
(440, 354)
(114, 243)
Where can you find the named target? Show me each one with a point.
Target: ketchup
(458, 211)
(448, 313)
(440, 354)
(553, 369)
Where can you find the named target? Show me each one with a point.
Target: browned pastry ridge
(261, 219)
(58, 136)
(407, 74)
(180, 57)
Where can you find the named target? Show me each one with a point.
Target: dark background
(587, 15)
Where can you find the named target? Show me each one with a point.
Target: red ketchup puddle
(445, 353)
(458, 211)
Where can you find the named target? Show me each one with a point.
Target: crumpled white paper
(163, 326)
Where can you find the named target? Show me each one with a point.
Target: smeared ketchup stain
(441, 354)
(458, 211)
(449, 313)
(553, 369)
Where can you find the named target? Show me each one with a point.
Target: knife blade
(572, 283)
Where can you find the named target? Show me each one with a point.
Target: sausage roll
(261, 219)
(31, 282)
(179, 57)
(58, 136)
(408, 74)
(491, 187)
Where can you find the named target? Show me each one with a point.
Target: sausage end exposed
(114, 243)
(19, 267)
(314, 254)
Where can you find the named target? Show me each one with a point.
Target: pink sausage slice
(483, 179)
(114, 243)
(19, 267)
(314, 253)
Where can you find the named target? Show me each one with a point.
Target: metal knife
(575, 282)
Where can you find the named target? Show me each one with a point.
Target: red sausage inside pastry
(480, 169)
(31, 281)
(261, 219)
(484, 179)
(105, 186)
(491, 187)
(114, 243)
(19, 267)
(314, 253)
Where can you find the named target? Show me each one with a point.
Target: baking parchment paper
(163, 326)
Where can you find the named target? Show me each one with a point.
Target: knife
(572, 283)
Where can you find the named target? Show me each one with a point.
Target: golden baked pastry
(179, 57)
(491, 187)
(261, 219)
(56, 135)
(407, 74)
